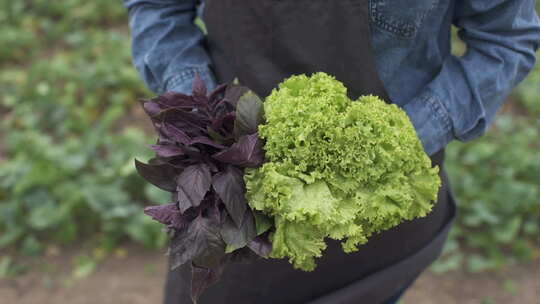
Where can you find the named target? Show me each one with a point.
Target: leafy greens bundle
(204, 144)
(276, 179)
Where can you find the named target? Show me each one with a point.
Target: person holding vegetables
(398, 50)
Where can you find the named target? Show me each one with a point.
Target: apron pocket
(402, 18)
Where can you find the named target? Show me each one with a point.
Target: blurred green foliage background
(70, 128)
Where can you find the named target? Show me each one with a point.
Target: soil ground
(135, 276)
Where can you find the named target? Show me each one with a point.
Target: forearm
(166, 45)
(502, 37)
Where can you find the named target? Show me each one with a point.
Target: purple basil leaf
(249, 114)
(215, 136)
(177, 113)
(179, 163)
(211, 164)
(228, 123)
(214, 95)
(206, 141)
(192, 185)
(221, 108)
(247, 152)
(174, 99)
(193, 153)
(190, 128)
(217, 122)
(175, 134)
(229, 186)
(156, 161)
(199, 89)
(211, 257)
(224, 122)
(207, 207)
(164, 141)
(163, 213)
(238, 237)
(168, 214)
(233, 93)
(179, 222)
(201, 241)
(151, 108)
(214, 212)
(202, 278)
(167, 150)
(180, 117)
(162, 175)
(261, 246)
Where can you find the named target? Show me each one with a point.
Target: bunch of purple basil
(205, 140)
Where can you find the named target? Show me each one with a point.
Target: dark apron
(262, 42)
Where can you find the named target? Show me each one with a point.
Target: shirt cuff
(431, 121)
(182, 82)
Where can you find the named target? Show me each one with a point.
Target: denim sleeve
(166, 44)
(502, 37)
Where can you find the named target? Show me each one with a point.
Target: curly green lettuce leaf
(300, 242)
(336, 168)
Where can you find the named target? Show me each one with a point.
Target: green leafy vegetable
(336, 168)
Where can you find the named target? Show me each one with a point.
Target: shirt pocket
(402, 18)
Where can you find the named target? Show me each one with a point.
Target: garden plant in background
(66, 149)
(499, 225)
(308, 184)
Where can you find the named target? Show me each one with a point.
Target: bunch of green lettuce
(335, 168)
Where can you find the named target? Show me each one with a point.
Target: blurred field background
(71, 223)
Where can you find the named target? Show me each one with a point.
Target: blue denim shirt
(446, 97)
